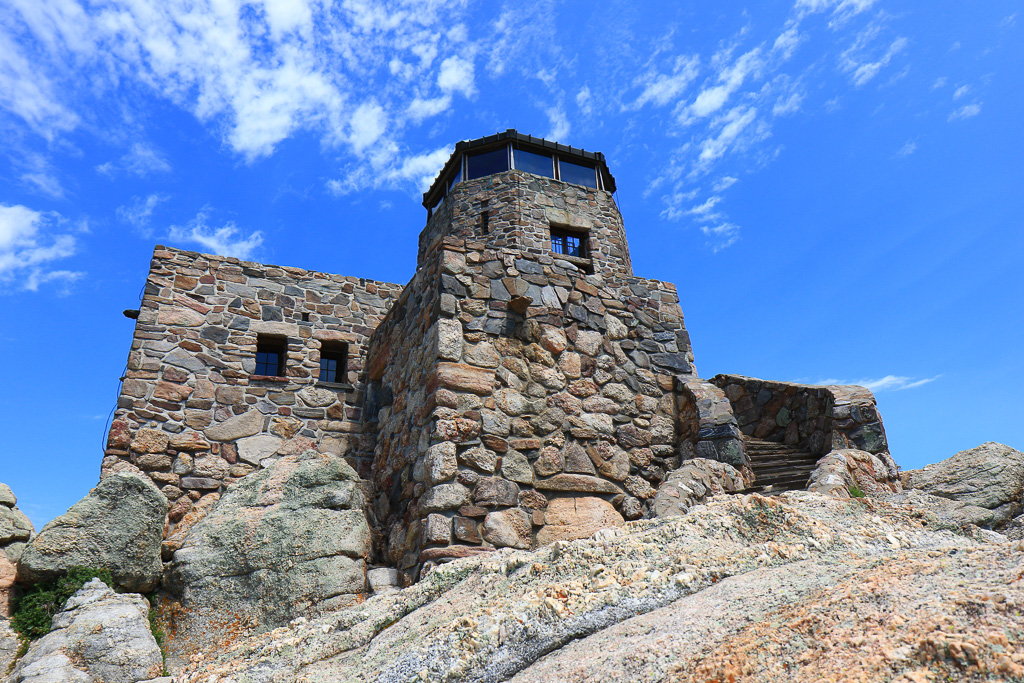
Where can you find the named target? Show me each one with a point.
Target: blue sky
(834, 185)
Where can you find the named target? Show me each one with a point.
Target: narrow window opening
(305, 317)
(333, 357)
(568, 243)
(270, 356)
(485, 223)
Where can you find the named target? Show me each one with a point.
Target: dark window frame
(271, 354)
(336, 353)
(566, 241)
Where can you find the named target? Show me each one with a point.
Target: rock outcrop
(990, 476)
(15, 530)
(656, 599)
(99, 637)
(841, 470)
(693, 483)
(285, 542)
(117, 526)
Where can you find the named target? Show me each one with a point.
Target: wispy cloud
(965, 112)
(140, 160)
(228, 240)
(908, 148)
(886, 383)
(141, 209)
(30, 241)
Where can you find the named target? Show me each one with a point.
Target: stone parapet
(193, 415)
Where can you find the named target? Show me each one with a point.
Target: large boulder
(284, 542)
(99, 636)
(117, 526)
(990, 476)
(842, 469)
(15, 530)
(693, 483)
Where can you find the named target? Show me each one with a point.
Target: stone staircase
(778, 467)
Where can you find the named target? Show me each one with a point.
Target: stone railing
(817, 418)
(707, 424)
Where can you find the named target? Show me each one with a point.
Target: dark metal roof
(527, 142)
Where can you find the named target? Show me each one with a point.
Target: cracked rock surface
(742, 587)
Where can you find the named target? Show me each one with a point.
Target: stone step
(778, 467)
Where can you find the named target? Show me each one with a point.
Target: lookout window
(537, 164)
(270, 355)
(568, 243)
(576, 173)
(487, 163)
(332, 362)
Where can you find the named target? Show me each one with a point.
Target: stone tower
(523, 387)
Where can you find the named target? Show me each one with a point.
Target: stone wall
(533, 383)
(192, 415)
(816, 418)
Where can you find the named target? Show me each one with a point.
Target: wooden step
(778, 467)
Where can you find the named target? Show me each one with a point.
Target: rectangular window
(479, 165)
(537, 164)
(333, 359)
(270, 356)
(569, 243)
(457, 178)
(577, 174)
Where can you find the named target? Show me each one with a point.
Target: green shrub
(855, 492)
(35, 607)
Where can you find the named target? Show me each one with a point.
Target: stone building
(524, 386)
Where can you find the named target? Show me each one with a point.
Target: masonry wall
(192, 416)
(525, 400)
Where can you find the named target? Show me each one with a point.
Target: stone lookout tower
(524, 386)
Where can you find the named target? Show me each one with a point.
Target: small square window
(270, 356)
(569, 243)
(333, 359)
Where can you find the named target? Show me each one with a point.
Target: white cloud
(141, 209)
(961, 91)
(705, 211)
(863, 71)
(886, 383)
(29, 241)
(456, 76)
(724, 183)
(559, 124)
(721, 236)
(842, 10)
(583, 101)
(788, 41)
(908, 148)
(367, 125)
(29, 94)
(225, 241)
(788, 104)
(140, 160)
(965, 112)
(662, 89)
(940, 82)
(734, 124)
(729, 80)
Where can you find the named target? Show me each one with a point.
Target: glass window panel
(574, 173)
(537, 164)
(458, 177)
(479, 165)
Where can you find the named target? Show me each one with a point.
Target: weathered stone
(189, 440)
(444, 497)
(437, 529)
(441, 463)
(567, 519)
(466, 530)
(169, 391)
(449, 339)
(610, 460)
(630, 436)
(616, 329)
(237, 427)
(515, 467)
(150, 441)
(317, 398)
(482, 354)
(296, 445)
(511, 402)
(588, 342)
(118, 525)
(551, 461)
(288, 541)
(990, 476)
(639, 487)
(576, 459)
(481, 458)
(576, 482)
(212, 466)
(569, 365)
(98, 636)
(254, 449)
(495, 491)
(459, 429)
(553, 339)
(193, 516)
(180, 317)
(200, 483)
(462, 377)
(508, 529)
(152, 461)
(695, 482)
